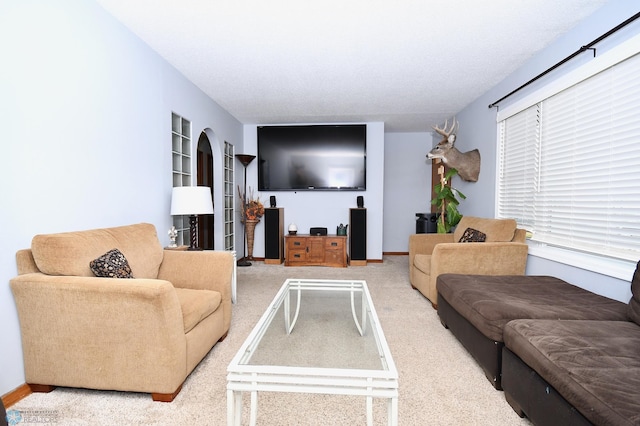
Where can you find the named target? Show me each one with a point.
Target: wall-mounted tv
(312, 157)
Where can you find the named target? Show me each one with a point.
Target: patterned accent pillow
(471, 235)
(112, 264)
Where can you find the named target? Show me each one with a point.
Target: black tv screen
(312, 157)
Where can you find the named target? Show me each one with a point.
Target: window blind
(518, 171)
(570, 165)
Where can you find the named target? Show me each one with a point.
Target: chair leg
(224, 336)
(160, 397)
(166, 397)
(41, 388)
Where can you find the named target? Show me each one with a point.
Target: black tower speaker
(273, 235)
(358, 237)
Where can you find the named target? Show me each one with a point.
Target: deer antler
(444, 132)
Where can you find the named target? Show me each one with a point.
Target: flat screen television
(312, 157)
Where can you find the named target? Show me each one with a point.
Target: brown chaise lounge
(476, 308)
(575, 372)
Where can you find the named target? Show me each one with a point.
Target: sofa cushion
(70, 253)
(197, 305)
(422, 262)
(489, 302)
(471, 235)
(496, 230)
(112, 264)
(594, 365)
(634, 303)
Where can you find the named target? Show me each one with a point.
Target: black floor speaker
(358, 237)
(273, 235)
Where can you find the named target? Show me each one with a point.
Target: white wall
(324, 208)
(478, 129)
(85, 113)
(407, 186)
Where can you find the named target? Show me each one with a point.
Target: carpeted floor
(440, 384)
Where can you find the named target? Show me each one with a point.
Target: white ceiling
(408, 63)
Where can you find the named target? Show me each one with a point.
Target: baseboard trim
(255, 259)
(395, 253)
(16, 395)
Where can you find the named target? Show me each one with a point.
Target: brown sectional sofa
(144, 334)
(562, 354)
(477, 307)
(582, 372)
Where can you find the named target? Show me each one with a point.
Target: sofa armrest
(25, 262)
(425, 243)
(493, 258)
(201, 270)
(96, 332)
(520, 236)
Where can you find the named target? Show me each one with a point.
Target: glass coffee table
(316, 336)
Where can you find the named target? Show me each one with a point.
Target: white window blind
(570, 165)
(518, 180)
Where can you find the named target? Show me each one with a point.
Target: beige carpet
(440, 384)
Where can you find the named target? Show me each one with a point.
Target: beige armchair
(144, 334)
(504, 252)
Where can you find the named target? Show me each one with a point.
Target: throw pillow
(112, 264)
(471, 235)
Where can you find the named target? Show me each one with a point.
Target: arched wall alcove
(216, 181)
(205, 177)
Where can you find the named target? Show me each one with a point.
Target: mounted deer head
(467, 164)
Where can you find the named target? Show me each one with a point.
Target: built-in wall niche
(181, 150)
(229, 216)
(181, 168)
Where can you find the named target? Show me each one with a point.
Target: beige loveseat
(503, 252)
(144, 334)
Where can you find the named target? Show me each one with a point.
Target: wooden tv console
(310, 250)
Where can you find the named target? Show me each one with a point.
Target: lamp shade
(191, 200)
(245, 159)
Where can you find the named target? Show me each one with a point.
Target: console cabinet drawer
(299, 242)
(298, 255)
(333, 243)
(335, 258)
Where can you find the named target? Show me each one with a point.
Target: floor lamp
(245, 159)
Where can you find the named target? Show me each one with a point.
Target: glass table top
(318, 324)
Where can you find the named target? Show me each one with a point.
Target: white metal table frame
(243, 377)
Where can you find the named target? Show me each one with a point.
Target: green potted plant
(446, 201)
